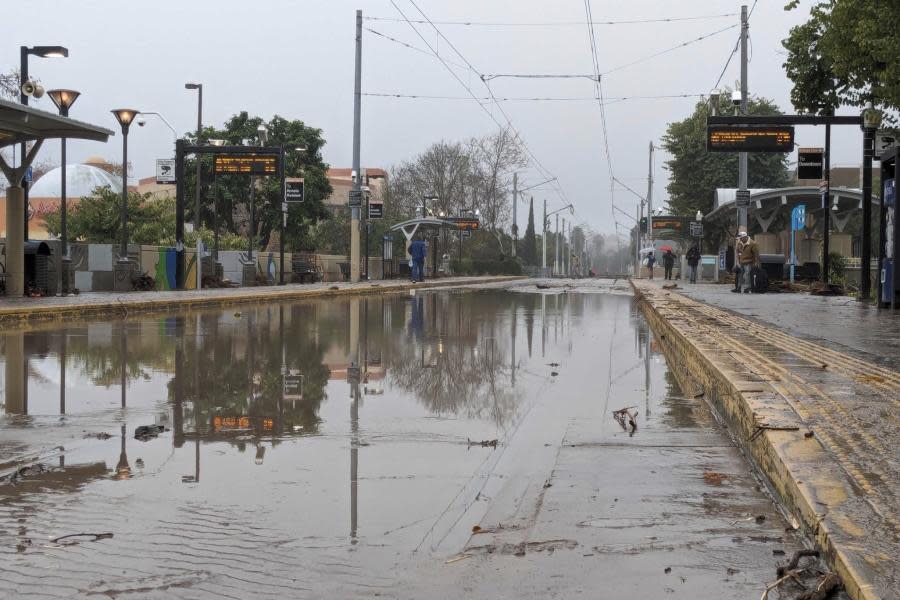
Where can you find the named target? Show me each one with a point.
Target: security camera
(736, 97)
(141, 121)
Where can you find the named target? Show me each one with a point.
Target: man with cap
(748, 258)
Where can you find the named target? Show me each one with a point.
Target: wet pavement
(443, 444)
(838, 321)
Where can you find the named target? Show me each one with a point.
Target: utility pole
(544, 240)
(357, 172)
(650, 195)
(556, 248)
(742, 157)
(515, 226)
(197, 158)
(564, 251)
(826, 221)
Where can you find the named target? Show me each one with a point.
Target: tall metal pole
(637, 242)
(179, 214)
(742, 157)
(564, 251)
(23, 77)
(123, 253)
(826, 221)
(197, 158)
(650, 195)
(544, 239)
(865, 274)
(215, 216)
(284, 215)
(515, 202)
(250, 230)
(556, 248)
(357, 101)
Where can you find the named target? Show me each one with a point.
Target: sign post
(165, 171)
(798, 222)
(294, 189)
(810, 162)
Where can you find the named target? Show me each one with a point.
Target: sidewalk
(112, 303)
(798, 382)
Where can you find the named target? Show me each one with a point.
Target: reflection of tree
(458, 365)
(233, 368)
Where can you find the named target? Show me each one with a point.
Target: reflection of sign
(760, 138)
(798, 217)
(742, 198)
(376, 209)
(809, 163)
(294, 190)
(466, 233)
(251, 164)
(29, 174)
(355, 198)
(721, 259)
(884, 141)
(236, 423)
(353, 375)
(293, 387)
(165, 170)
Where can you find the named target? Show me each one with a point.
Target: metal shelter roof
(426, 222)
(20, 123)
(790, 196)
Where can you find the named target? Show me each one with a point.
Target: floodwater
(443, 444)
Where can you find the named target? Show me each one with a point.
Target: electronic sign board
(247, 164)
(749, 138)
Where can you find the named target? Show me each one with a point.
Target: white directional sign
(165, 170)
(884, 141)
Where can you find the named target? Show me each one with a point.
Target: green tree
(529, 243)
(696, 173)
(234, 190)
(845, 54)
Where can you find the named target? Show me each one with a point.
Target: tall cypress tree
(529, 246)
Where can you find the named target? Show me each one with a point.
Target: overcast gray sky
(295, 59)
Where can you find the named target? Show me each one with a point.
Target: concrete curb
(121, 304)
(800, 470)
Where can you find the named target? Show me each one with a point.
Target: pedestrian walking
(418, 251)
(651, 260)
(693, 260)
(748, 258)
(668, 263)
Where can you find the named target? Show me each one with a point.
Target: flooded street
(442, 444)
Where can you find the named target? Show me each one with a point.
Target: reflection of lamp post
(123, 469)
(24, 53)
(124, 116)
(64, 99)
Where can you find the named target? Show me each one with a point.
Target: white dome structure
(81, 180)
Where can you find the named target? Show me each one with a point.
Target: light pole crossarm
(531, 187)
(164, 120)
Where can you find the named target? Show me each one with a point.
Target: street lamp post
(871, 121)
(263, 134)
(24, 53)
(123, 277)
(64, 99)
(199, 88)
(218, 144)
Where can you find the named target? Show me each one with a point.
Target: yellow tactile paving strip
(842, 481)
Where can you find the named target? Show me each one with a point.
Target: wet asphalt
(441, 444)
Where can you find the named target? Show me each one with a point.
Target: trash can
(37, 267)
(773, 265)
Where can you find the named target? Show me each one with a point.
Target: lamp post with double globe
(124, 116)
(64, 99)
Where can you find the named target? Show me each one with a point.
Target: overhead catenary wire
(537, 163)
(554, 23)
(609, 99)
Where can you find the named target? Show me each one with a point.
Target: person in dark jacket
(693, 259)
(418, 251)
(651, 260)
(668, 263)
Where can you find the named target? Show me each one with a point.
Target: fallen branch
(95, 536)
(795, 560)
(828, 584)
(772, 586)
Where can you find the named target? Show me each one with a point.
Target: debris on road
(72, 542)
(670, 286)
(828, 584)
(147, 432)
(25, 472)
(625, 418)
(795, 560)
(482, 443)
(553, 374)
(714, 478)
(457, 558)
(100, 436)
